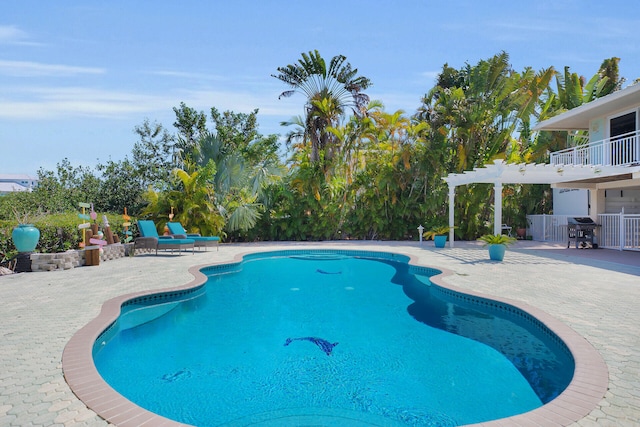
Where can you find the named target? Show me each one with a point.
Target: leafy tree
(62, 191)
(229, 167)
(57, 192)
(191, 125)
(154, 156)
(122, 186)
(237, 130)
(240, 134)
(476, 119)
(123, 183)
(50, 195)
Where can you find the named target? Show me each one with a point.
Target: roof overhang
(511, 173)
(9, 187)
(578, 118)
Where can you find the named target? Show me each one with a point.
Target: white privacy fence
(620, 231)
(616, 231)
(549, 228)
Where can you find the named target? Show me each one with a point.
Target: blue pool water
(257, 346)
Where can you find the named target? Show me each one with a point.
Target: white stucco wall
(628, 199)
(568, 201)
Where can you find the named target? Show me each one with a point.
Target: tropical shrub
(497, 239)
(436, 231)
(191, 203)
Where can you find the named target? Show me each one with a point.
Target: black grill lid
(582, 221)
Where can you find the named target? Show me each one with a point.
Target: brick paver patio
(595, 293)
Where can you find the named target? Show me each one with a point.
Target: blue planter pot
(25, 237)
(440, 241)
(496, 252)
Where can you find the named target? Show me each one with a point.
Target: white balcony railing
(622, 150)
(617, 231)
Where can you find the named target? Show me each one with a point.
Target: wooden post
(88, 234)
(83, 216)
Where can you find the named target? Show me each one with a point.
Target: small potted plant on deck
(438, 234)
(497, 244)
(521, 226)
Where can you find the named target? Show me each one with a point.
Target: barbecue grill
(581, 231)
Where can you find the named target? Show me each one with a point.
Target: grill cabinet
(581, 231)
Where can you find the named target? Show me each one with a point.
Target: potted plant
(497, 244)
(521, 226)
(25, 236)
(438, 234)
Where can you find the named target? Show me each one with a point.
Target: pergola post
(497, 207)
(452, 195)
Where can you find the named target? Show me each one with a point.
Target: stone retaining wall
(76, 258)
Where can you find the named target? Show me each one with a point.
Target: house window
(624, 139)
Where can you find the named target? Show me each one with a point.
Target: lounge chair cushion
(150, 238)
(176, 229)
(162, 240)
(147, 228)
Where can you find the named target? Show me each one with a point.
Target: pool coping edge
(583, 394)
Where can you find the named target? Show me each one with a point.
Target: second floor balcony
(621, 150)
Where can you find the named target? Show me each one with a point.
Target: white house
(16, 182)
(613, 126)
(607, 165)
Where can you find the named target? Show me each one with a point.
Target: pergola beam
(499, 173)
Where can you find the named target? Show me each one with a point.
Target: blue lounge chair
(176, 229)
(151, 240)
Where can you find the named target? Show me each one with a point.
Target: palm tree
(329, 92)
(573, 91)
(238, 185)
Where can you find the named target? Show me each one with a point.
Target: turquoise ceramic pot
(25, 237)
(496, 252)
(440, 241)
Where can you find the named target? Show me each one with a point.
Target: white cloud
(188, 75)
(32, 69)
(43, 103)
(11, 34)
(46, 103)
(242, 101)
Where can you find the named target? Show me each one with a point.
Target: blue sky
(76, 77)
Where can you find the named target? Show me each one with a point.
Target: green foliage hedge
(58, 233)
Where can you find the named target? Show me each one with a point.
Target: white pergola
(500, 173)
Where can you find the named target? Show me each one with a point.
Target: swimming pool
(390, 322)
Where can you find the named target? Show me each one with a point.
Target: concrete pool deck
(595, 292)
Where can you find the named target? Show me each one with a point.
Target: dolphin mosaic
(323, 344)
(328, 272)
